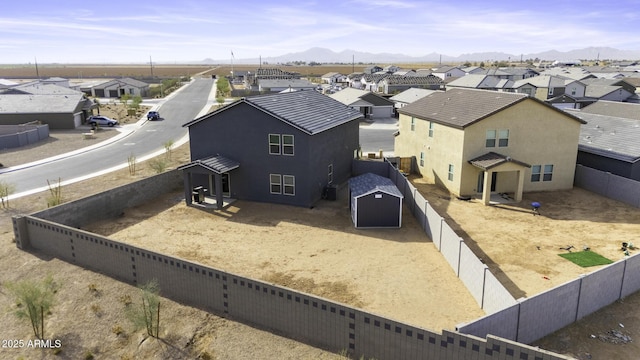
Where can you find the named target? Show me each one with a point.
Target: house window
(535, 173)
(274, 144)
(422, 158)
(431, 128)
(450, 176)
(503, 138)
(573, 91)
(275, 182)
(287, 145)
(330, 174)
(491, 138)
(548, 173)
(413, 123)
(289, 184)
(526, 91)
(550, 91)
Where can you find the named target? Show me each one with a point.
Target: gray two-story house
(284, 148)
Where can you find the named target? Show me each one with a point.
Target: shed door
(378, 210)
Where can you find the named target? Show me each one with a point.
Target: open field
(74, 71)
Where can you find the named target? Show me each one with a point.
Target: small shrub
(88, 355)
(126, 299)
(57, 351)
(158, 165)
(117, 329)
(97, 310)
(131, 160)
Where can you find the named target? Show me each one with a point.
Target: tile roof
(410, 95)
(308, 111)
(293, 83)
(598, 91)
(541, 81)
(461, 107)
(614, 108)
(217, 164)
(412, 80)
(609, 136)
(493, 159)
(368, 183)
(45, 89)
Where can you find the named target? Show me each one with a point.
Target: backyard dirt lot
(396, 273)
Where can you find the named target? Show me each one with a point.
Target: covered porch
(207, 182)
(491, 164)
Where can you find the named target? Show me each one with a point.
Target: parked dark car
(101, 120)
(153, 115)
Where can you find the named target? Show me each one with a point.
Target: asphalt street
(142, 140)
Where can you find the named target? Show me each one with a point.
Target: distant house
(615, 109)
(57, 106)
(280, 148)
(446, 72)
(607, 92)
(480, 81)
(393, 84)
(118, 87)
(58, 111)
(278, 85)
(610, 143)
(371, 105)
(372, 69)
(354, 80)
(370, 82)
(481, 142)
(333, 78)
(542, 87)
(518, 73)
(408, 96)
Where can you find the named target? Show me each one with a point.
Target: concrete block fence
(303, 317)
(608, 185)
(307, 318)
(527, 320)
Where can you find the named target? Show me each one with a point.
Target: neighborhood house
(284, 148)
(484, 142)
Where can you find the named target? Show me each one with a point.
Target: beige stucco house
(482, 142)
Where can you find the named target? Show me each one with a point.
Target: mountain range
(323, 55)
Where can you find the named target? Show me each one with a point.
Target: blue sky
(113, 31)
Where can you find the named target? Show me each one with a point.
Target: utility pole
(37, 73)
(151, 66)
(353, 63)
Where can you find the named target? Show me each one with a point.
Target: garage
(375, 202)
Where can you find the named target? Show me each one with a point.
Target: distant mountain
(323, 55)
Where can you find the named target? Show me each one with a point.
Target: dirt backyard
(391, 272)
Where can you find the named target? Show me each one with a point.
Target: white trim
(284, 185)
(272, 183)
(273, 144)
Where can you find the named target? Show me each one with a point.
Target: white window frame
(413, 124)
(421, 158)
(450, 174)
(547, 172)
(277, 182)
(536, 173)
(488, 138)
(273, 144)
(286, 146)
(431, 127)
(502, 138)
(330, 174)
(289, 189)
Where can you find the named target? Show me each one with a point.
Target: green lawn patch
(586, 258)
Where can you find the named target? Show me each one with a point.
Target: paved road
(378, 136)
(147, 139)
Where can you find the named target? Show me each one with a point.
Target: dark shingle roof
(368, 183)
(413, 80)
(493, 159)
(376, 100)
(309, 111)
(218, 164)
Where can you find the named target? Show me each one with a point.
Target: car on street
(153, 115)
(101, 121)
